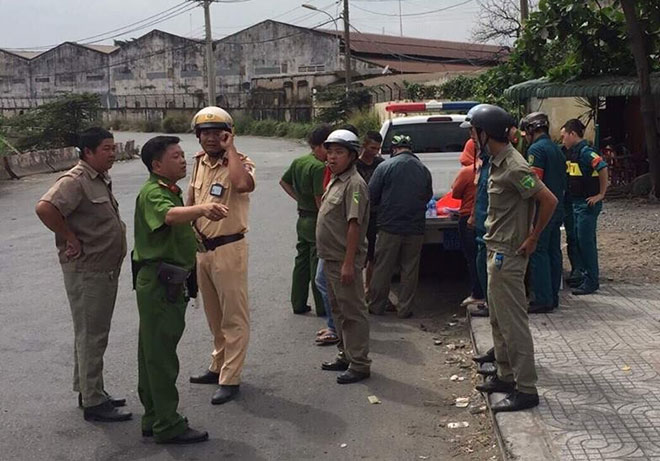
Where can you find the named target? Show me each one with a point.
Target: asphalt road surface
(288, 408)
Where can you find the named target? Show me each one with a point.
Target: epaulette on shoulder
(171, 187)
(74, 172)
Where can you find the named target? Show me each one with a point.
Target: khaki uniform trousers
(92, 298)
(222, 279)
(390, 250)
(350, 314)
(514, 346)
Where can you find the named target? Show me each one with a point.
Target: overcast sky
(32, 24)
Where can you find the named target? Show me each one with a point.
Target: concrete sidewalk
(598, 359)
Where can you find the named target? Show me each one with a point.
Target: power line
(177, 6)
(414, 14)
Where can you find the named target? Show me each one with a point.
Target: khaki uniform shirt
(210, 183)
(511, 186)
(345, 198)
(84, 197)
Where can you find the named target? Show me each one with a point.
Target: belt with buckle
(213, 243)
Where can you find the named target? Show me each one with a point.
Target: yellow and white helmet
(212, 117)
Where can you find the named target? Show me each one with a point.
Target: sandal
(327, 339)
(323, 331)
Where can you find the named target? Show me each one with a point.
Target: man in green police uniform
(549, 163)
(587, 185)
(164, 255)
(303, 181)
(513, 191)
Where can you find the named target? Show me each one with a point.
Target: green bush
(176, 124)
(365, 120)
(149, 126)
(246, 126)
(243, 125)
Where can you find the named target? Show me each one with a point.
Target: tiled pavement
(598, 359)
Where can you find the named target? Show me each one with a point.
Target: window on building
(42, 79)
(18, 81)
(94, 77)
(67, 78)
(311, 68)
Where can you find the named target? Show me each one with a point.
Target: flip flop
(323, 331)
(327, 339)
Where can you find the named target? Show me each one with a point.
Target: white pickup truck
(438, 142)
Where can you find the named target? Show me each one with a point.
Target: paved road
(289, 408)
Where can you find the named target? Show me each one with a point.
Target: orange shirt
(465, 189)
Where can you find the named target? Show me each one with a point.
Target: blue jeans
(481, 263)
(322, 286)
(469, 243)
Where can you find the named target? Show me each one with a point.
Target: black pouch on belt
(174, 278)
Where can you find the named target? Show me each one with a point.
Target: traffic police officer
(341, 232)
(549, 163)
(303, 181)
(164, 255)
(512, 191)
(222, 175)
(588, 180)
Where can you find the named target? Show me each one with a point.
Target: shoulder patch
(356, 197)
(530, 159)
(528, 182)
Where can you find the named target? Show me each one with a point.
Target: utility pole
(400, 19)
(524, 10)
(210, 58)
(347, 46)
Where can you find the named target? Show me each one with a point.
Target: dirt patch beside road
(629, 241)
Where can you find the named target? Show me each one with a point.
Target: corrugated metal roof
(389, 44)
(417, 67)
(107, 49)
(23, 54)
(606, 85)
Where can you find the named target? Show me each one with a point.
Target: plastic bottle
(433, 210)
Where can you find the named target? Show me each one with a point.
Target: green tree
(54, 124)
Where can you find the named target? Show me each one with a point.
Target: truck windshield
(429, 137)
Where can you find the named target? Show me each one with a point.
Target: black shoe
(147, 433)
(489, 356)
(404, 315)
(516, 401)
(210, 377)
(583, 290)
(574, 282)
(190, 436)
(224, 394)
(487, 369)
(336, 365)
(494, 384)
(478, 311)
(303, 311)
(115, 402)
(106, 413)
(374, 312)
(352, 376)
(539, 309)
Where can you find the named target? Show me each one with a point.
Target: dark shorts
(371, 238)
